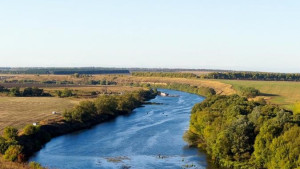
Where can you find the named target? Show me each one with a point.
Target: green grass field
(281, 93)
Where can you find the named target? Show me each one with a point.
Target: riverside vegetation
(18, 146)
(238, 133)
(199, 90)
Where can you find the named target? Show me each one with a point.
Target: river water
(150, 137)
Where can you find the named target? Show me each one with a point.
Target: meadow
(276, 92)
(20, 111)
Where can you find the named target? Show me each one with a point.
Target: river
(150, 137)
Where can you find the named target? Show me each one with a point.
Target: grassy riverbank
(84, 115)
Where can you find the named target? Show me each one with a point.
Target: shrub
(13, 152)
(248, 92)
(65, 93)
(35, 165)
(82, 112)
(30, 129)
(15, 91)
(10, 133)
(33, 91)
(3, 89)
(3, 145)
(106, 104)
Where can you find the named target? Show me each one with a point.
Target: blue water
(150, 137)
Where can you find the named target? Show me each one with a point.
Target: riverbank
(34, 137)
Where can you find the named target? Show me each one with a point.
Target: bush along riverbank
(19, 147)
(237, 133)
(199, 90)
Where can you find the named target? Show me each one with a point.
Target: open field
(281, 93)
(20, 111)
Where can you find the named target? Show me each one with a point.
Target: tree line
(64, 71)
(253, 76)
(226, 75)
(63, 82)
(199, 90)
(27, 92)
(112, 105)
(237, 133)
(165, 74)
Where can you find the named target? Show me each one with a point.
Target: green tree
(13, 152)
(285, 150)
(15, 91)
(106, 104)
(30, 129)
(85, 111)
(10, 133)
(3, 145)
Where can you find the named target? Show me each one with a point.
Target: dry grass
(10, 165)
(19, 111)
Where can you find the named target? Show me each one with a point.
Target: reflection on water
(150, 137)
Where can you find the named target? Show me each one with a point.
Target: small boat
(163, 94)
(167, 95)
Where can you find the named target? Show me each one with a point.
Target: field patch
(281, 93)
(19, 111)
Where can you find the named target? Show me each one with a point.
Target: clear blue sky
(262, 35)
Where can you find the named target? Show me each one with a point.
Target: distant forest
(226, 75)
(63, 71)
(91, 70)
(165, 74)
(254, 76)
(159, 72)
